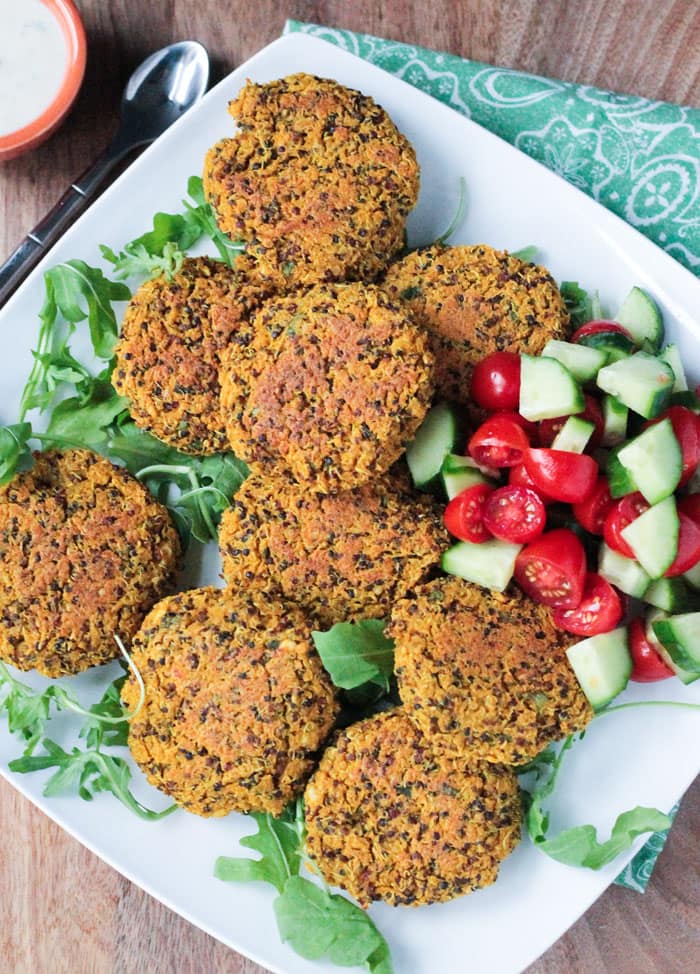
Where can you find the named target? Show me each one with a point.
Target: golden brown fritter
(318, 182)
(327, 386)
(169, 352)
(390, 817)
(85, 551)
(474, 301)
(341, 556)
(485, 672)
(237, 701)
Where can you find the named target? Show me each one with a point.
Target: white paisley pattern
(639, 158)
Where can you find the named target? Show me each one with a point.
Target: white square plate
(636, 757)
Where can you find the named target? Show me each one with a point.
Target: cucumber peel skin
(624, 573)
(642, 382)
(672, 595)
(438, 435)
(619, 478)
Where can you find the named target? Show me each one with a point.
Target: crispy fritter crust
(318, 182)
(485, 673)
(237, 701)
(391, 818)
(341, 556)
(327, 386)
(474, 301)
(85, 551)
(169, 352)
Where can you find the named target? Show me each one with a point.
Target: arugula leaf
(316, 924)
(86, 424)
(14, 451)
(579, 846)
(202, 216)
(79, 292)
(459, 213)
(527, 254)
(313, 921)
(581, 305)
(277, 841)
(137, 261)
(355, 653)
(107, 723)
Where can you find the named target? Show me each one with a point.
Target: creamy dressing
(33, 62)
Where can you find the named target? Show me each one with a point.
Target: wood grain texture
(64, 911)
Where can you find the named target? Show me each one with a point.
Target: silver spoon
(159, 91)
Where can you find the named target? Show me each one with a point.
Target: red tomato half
(686, 426)
(567, 477)
(648, 667)
(592, 511)
(599, 610)
(552, 570)
(514, 514)
(499, 442)
(622, 513)
(519, 477)
(688, 546)
(496, 381)
(526, 424)
(548, 428)
(689, 505)
(596, 327)
(463, 516)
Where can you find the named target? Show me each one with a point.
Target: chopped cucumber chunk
(490, 564)
(459, 473)
(547, 389)
(642, 382)
(685, 676)
(602, 665)
(625, 573)
(692, 576)
(642, 318)
(619, 477)
(654, 461)
(680, 635)
(653, 537)
(671, 595)
(438, 435)
(612, 344)
(615, 415)
(671, 356)
(574, 435)
(584, 363)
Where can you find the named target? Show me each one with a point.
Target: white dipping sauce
(33, 62)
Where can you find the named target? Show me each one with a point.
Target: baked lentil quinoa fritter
(341, 556)
(326, 386)
(168, 355)
(485, 673)
(318, 181)
(474, 301)
(237, 701)
(390, 817)
(85, 551)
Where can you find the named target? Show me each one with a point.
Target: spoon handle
(45, 234)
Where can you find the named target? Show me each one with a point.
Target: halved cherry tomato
(567, 477)
(622, 513)
(599, 610)
(688, 546)
(496, 381)
(690, 505)
(526, 424)
(686, 426)
(591, 512)
(548, 428)
(464, 515)
(552, 569)
(499, 442)
(596, 327)
(514, 514)
(519, 477)
(648, 667)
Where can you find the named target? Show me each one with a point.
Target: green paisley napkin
(639, 158)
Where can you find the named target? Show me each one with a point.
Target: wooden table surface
(63, 910)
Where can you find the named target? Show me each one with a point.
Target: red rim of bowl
(39, 128)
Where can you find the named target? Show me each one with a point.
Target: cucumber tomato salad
(582, 485)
